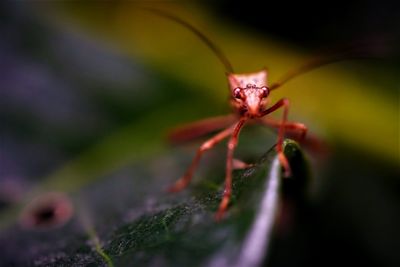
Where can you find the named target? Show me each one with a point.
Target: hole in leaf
(47, 211)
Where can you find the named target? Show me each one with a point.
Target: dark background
(315, 23)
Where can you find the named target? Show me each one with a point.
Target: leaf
(177, 230)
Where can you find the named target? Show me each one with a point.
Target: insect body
(249, 97)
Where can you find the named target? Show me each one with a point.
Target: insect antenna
(356, 50)
(216, 50)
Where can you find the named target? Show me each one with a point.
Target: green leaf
(180, 230)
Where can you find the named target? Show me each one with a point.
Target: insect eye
(265, 91)
(237, 93)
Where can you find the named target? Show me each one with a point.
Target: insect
(249, 95)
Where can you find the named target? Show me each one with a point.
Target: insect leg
(284, 102)
(210, 143)
(229, 164)
(296, 130)
(238, 164)
(196, 129)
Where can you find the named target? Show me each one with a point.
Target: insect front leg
(296, 130)
(229, 164)
(284, 102)
(210, 143)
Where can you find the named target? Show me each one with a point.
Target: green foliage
(182, 230)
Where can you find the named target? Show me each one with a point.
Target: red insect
(249, 97)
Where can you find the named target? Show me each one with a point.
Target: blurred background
(89, 88)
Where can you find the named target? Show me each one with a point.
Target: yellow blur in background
(345, 102)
